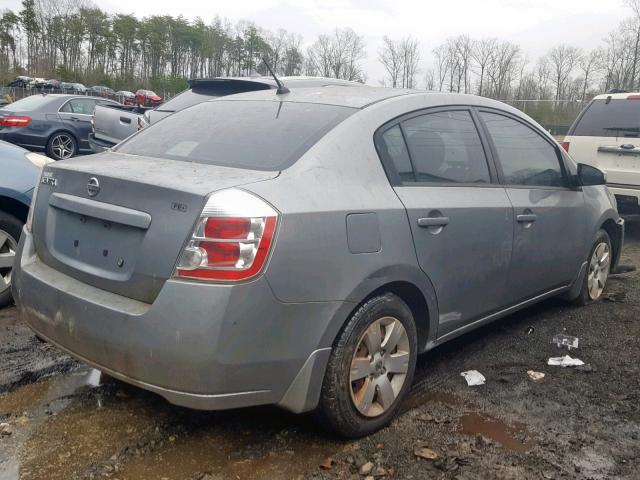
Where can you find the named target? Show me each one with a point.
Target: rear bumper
(97, 145)
(200, 346)
(20, 136)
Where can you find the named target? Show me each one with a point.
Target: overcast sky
(536, 25)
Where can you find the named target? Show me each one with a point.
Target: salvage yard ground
(62, 421)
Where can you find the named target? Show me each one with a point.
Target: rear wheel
(61, 145)
(598, 267)
(370, 369)
(10, 229)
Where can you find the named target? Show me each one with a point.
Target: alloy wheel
(8, 247)
(598, 270)
(62, 146)
(379, 366)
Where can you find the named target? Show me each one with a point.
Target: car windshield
(257, 135)
(616, 118)
(31, 103)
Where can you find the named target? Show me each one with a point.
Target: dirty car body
(222, 281)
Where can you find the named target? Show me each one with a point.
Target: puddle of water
(230, 455)
(508, 437)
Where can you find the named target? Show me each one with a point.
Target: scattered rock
(425, 417)
(369, 477)
(366, 469)
(425, 452)
(379, 472)
(327, 464)
(5, 430)
(535, 376)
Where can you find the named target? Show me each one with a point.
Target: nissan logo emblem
(93, 187)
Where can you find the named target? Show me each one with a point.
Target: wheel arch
(408, 283)
(14, 207)
(616, 235)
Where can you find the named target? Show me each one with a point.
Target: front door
(549, 215)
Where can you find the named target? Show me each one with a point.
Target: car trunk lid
(120, 225)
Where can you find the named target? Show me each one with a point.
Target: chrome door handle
(526, 217)
(433, 221)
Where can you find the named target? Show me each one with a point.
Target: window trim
(563, 167)
(394, 177)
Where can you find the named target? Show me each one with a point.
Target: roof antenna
(281, 87)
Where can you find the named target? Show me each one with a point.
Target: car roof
(269, 82)
(354, 97)
(616, 96)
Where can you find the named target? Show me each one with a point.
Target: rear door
(76, 114)
(549, 215)
(461, 219)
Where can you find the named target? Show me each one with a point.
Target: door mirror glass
(589, 175)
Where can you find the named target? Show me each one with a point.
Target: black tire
(13, 228)
(61, 146)
(584, 298)
(336, 410)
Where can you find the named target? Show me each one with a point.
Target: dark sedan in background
(56, 124)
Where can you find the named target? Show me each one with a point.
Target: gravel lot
(62, 421)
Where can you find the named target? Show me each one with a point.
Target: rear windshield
(28, 104)
(618, 118)
(257, 135)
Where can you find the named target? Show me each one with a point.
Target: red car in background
(148, 98)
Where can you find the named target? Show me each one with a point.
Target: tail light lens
(565, 145)
(231, 240)
(15, 121)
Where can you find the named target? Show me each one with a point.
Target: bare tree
(589, 64)
(563, 59)
(409, 50)
(482, 52)
(339, 55)
(391, 59)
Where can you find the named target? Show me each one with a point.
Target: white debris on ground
(562, 340)
(565, 361)
(473, 378)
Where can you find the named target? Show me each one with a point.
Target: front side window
(445, 147)
(525, 156)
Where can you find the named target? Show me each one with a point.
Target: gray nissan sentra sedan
(301, 249)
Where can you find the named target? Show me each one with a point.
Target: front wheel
(598, 267)
(61, 146)
(370, 369)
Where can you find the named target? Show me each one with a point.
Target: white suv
(606, 135)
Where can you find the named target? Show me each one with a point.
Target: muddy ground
(63, 421)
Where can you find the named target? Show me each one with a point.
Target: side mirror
(588, 175)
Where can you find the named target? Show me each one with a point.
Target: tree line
(73, 40)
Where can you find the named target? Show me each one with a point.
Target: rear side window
(257, 135)
(82, 106)
(618, 118)
(525, 156)
(441, 147)
(393, 147)
(445, 147)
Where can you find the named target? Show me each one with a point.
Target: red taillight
(565, 145)
(15, 121)
(633, 97)
(232, 239)
(234, 228)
